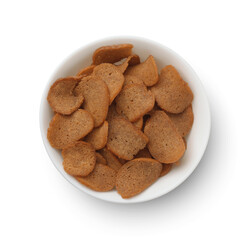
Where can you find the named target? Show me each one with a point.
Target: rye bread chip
(134, 101)
(64, 130)
(124, 139)
(96, 96)
(79, 158)
(98, 136)
(185, 142)
(111, 54)
(137, 175)
(138, 123)
(179, 161)
(165, 143)
(130, 79)
(112, 161)
(166, 168)
(144, 153)
(130, 61)
(172, 93)
(61, 96)
(146, 71)
(155, 108)
(100, 159)
(147, 115)
(183, 121)
(112, 113)
(86, 71)
(101, 179)
(112, 76)
(122, 161)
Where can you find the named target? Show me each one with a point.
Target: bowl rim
(114, 38)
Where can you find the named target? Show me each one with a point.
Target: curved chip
(112, 161)
(134, 101)
(100, 159)
(144, 153)
(139, 123)
(166, 168)
(124, 139)
(101, 179)
(130, 79)
(146, 71)
(111, 54)
(130, 61)
(62, 98)
(165, 144)
(183, 121)
(113, 78)
(172, 93)
(137, 175)
(79, 158)
(122, 161)
(86, 71)
(64, 130)
(98, 137)
(96, 97)
(112, 113)
(185, 142)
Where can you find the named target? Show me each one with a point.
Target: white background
(36, 202)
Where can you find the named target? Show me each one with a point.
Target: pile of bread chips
(119, 123)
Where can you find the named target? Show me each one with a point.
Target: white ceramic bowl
(196, 141)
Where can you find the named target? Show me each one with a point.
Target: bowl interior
(196, 141)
